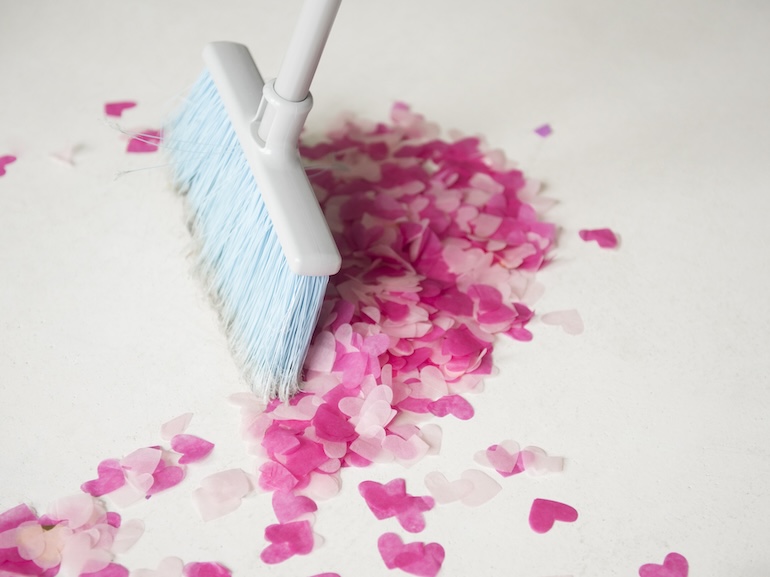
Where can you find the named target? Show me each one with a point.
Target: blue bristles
(269, 312)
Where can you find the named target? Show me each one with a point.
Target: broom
(265, 250)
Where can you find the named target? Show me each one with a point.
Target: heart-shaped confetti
(206, 569)
(110, 478)
(568, 320)
(145, 141)
(287, 540)
(445, 491)
(417, 558)
(5, 160)
(544, 513)
(288, 506)
(604, 237)
(116, 108)
(111, 570)
(192, 448)
(674, 565)
(392, 500)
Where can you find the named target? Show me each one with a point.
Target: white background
(661, 125)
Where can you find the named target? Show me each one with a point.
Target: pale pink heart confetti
(111, 570)
(445, 491)
(77, 510)
(116, 108)
(221, 493)
(537, 462)
(168, 567)
(484, 488)
(145, 141)
(568, 320)
(417, 558)
(5, 160)
(432, 435)
(192, 448)
(288, 506)
(674, 565)
(604, 237)
(175, 426)
(544, 513)
(127, 535)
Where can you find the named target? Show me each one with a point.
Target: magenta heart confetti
(145, 141)
(544, 513)
(287, 540)
(422, 559)
(110, 478)
(544, 130)
(392, 500)
(674, 565)
(604, 237)
(5, 160)
(206, 569)
(116, 108)
(288, 506)
(192, 448)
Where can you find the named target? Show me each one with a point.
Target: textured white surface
(661, 406)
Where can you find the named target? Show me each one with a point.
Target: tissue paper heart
(146, 141)
(674, 565)
(287, 540)
(110, 478)
(392, 500)
(191, 448)
(117, 108)
(5, 160)
(604, 237)
(206, 569)
(422, 559)
(544, 513)
(288, 506)
(445, 491)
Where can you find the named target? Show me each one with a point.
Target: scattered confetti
(175, 426)
(145, 141)
(221, 493)
(5, 161)
(604, 237)
(544, 513)
(445, 491)
(544, 130)
(192, 448)
(568, 320)
(205, 569)
(423, 559)
(116, 108)
(287, 540)
(674, 565)
(288, 506)
(392, 500)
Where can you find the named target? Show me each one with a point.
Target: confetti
(544, 130)
(205, 569)
(5, 161)
(604, 237)
(287, 540)
(145, 141)
(116, 108)
(674, 565)
(192, 448)
(568, 320)
(422, 559)
(392, 500)
(544, 513)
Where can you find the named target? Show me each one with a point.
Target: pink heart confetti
(445, 491)
(392, 500)
(417, 558)
(221, 493)
(206, 569)
(116, 108)
(604, 237)
(484, 488)
(175, 426)
(544, 513)
(544, 130)
(288, 506)
(192, 448)
(111, 570)
(674, 565)
(165, 477)
(5, 160)
(326, 575)
(287, 540)
(568, 320)
(145, 141)
(110, 478)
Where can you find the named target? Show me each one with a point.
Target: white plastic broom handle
(305, 48)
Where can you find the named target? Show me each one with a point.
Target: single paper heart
(422, 559)
(117, 108)
(110, 478)
(288, 506)
(445, 491)
(191, 448)
(544, 513)
(5, 160)
(674, 565)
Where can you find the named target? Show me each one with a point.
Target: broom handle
(304, 52)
